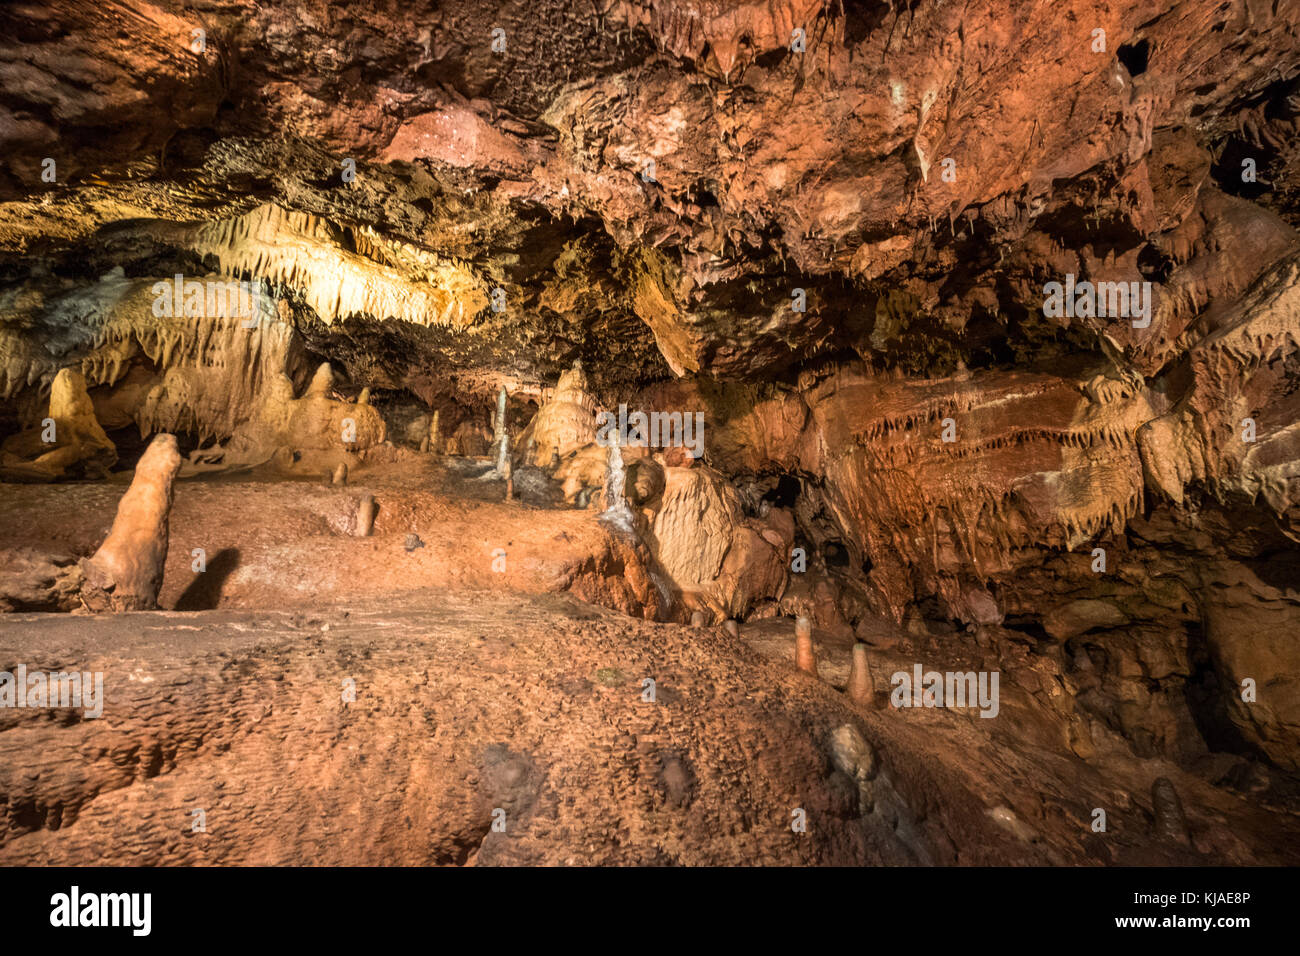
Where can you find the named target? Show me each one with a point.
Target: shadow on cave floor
(204, 593)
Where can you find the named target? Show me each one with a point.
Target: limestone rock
(79, 444)
(126, 573)
(565, 423)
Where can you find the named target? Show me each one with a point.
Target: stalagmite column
(322, 380)
(74, 415)
(73, 443)
(861, 689)
(499, 430)
(804, 659)
(503, 456)
(365, 516)
(565, 423)
(127, 570)
(510, 479)
(616, 506)
(435, 425)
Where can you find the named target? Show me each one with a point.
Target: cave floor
(468, 701)
(270, 540)
(482, 687)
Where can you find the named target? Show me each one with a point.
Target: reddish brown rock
(832, 230)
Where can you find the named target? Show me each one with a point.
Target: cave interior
(605, 416)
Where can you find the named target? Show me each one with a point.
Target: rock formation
(126, 573)
(316, 431)
(69, 441)
(860, 688)
(566, 423)
(805, 657)
(984, 319)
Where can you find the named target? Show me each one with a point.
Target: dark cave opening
(862, 18)
(1244, 169)
(835, 554)
(1030, 625)
(1154, 264)
(130, 446)
(785, 493)
(1135, 56)
(1204, 692)
(705, 199)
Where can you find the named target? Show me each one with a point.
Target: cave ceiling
(646, 184)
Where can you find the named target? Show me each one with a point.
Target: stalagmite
(435, 426)
(341, 474)
(1171, 822)
(364, 397)
(499, 430)
(509, 471)
(365, 516)
(321, 381)
(804, 658)
(697, 619)
(860, 688)
(731, 627)
(565, 423)
(503, 456)
(127, 570)
(74, 443)
(615, 475)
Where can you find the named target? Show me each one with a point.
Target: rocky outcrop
(307, 434)
(721, 561)
(68, 442)
(155, 357)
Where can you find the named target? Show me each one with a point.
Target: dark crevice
(1134, 56)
